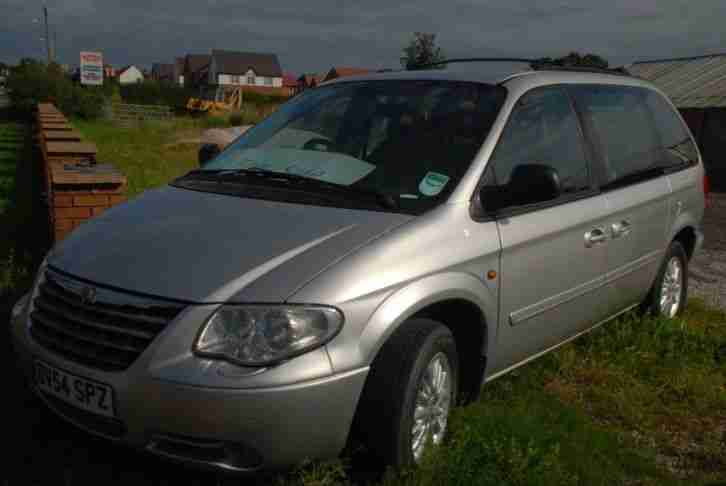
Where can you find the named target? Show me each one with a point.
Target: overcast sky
(312, 35)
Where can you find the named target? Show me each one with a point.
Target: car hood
(204, 247)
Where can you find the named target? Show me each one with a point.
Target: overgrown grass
(23, 217)
(640, 401)
(11, 139)
(151, 154)
(154, 153)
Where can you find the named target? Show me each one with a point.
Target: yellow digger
(224, 99)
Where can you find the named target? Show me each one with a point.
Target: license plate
(87, 394)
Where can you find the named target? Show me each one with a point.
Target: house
(130, 75)
(697, 86)
(196, 67)
(108, 71)
(342, 72)
(252, 71)
(162, 72)
(289, 84)
(307, 81)
(179, 71)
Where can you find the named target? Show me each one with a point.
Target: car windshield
(408, 141)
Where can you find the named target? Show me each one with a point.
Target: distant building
(253, 71)
(342, 72)
(289, 84)
(164, 73)
(196, 68)
(179, 71)
(697, 86)
(307, 81)
(130, 75)
(108, 71)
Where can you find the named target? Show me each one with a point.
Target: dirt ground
(707, 276)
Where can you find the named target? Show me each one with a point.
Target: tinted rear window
(678, 145)
(624, 129)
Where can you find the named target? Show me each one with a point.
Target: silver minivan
(362, 261)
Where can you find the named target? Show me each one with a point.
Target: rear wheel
(668, 296)
(410, 391)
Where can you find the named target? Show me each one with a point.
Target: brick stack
(78, 188)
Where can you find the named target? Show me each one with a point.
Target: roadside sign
(91, 68)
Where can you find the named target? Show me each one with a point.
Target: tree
(574, 59)
(421, 52)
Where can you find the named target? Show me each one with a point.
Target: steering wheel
(314, 143)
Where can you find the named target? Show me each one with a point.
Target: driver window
(543, 129)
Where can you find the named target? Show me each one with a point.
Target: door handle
(595, 236)
(622, 228)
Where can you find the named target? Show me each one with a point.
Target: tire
(385, 416)
(654, 303)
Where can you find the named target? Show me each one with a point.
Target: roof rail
(480, 59)
(580, 69)
(535, 64)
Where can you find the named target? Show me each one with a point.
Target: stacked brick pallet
(78, 187)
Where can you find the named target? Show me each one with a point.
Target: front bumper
(236, 430)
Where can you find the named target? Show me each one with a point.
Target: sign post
(92, 68)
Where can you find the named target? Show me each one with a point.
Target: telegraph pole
(47, 35)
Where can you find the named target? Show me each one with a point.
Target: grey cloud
(312, 35)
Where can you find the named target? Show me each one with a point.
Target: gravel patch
(707, 275)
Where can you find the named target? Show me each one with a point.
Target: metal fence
(128, 114)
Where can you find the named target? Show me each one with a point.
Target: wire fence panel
(129, 114)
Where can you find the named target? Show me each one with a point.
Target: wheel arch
(687, 237)
(460, 302)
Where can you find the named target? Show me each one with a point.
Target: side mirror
(528, 184)
(207, 152)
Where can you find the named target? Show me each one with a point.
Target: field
(638, 401)
(149, 155)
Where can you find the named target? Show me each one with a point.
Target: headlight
(259, 335)
(19, 306)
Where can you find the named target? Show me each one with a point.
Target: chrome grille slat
(77, 303)
(68, 312)
(84, 355)
(78, 336)
(108, 332)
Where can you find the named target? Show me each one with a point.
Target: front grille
(94, 326)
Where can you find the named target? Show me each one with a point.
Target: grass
(24, 240)
(150, 155)
(11, 139)
(640, 401)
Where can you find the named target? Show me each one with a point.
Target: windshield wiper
(384, 200)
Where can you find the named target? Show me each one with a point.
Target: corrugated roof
(230, 62)
(696, 82)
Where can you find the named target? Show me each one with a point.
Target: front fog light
(265, 335)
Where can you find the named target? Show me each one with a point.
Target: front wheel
(410, 391)
(668, 296)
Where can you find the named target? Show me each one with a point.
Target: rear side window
(678, 147)
(543, 129)
(623, 127)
